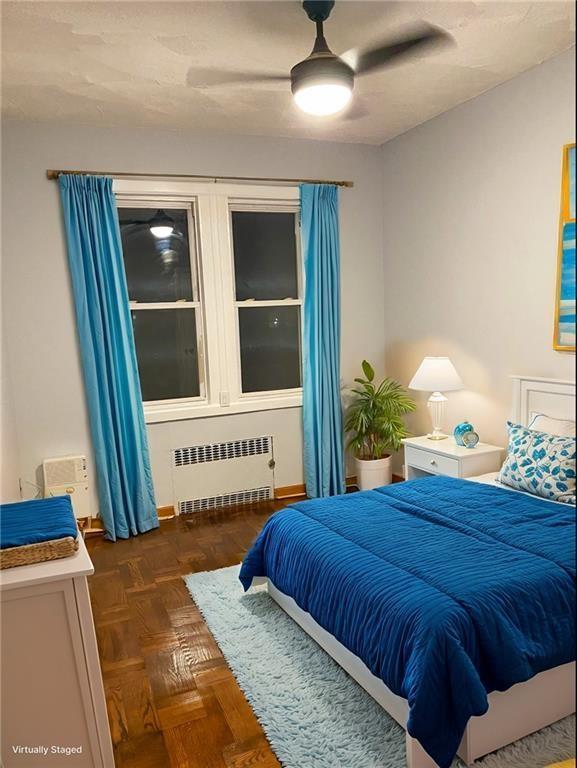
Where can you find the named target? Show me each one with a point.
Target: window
(267, 293)
(215, 295)
(162, 281)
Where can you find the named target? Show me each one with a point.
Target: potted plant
(375, 422)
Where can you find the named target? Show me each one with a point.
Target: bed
(428, 636)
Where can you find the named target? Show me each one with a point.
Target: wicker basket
(38, 553)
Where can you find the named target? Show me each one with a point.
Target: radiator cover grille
(251, 496)
(235, 449)
(223, 474)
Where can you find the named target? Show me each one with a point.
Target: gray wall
(47, 393)
(9, 469)
(471, 214)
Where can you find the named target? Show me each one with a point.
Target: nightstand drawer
(432, 462)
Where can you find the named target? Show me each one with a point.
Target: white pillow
(540, 463)
(543, 423)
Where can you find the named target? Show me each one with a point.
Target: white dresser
(53, 704)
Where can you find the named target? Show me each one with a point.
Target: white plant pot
(373, 473)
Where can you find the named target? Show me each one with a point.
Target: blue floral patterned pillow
(540, 463)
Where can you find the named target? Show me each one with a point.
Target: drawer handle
(433, 463)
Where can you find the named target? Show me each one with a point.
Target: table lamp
(433, 375)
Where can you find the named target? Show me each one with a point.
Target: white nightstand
(425, 457)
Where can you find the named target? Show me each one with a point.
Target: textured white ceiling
(129, 63)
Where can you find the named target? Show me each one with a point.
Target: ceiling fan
(161, 225)
(322, 84)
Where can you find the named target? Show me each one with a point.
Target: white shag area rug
(313, 713)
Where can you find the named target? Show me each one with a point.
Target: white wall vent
(68, 475)
(252, 496)
(199, 454)
(209, 476)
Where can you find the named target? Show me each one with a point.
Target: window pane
(265, 255)
(157, 268)
(269, 348)
(167, 353)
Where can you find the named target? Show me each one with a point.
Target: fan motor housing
(319, 68)
(318, 10)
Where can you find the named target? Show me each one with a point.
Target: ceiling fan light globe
(161, 231)
(322, 84)
(161, 225)
(322, 99)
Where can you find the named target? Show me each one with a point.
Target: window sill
(154, 414)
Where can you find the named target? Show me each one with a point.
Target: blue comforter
(36, 520)
(446, 589)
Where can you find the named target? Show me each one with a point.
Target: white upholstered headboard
(553, 397)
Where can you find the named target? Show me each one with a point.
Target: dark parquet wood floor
(172, 700)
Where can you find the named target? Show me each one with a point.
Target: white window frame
(219, 348)
(248, 204)
(196, 303)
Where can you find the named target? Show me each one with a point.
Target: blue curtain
(125, 491)
(322, 411)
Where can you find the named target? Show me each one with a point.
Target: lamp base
(436, 405)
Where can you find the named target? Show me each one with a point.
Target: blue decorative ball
(460, 430)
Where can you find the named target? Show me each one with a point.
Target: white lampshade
(436, 374)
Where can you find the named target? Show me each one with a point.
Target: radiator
(222, 474)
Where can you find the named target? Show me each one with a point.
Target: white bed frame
(524, 708)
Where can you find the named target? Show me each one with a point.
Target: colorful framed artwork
(564, 339)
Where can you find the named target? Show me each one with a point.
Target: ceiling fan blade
(208, 78)
(393, 51)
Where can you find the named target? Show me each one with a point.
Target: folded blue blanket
(37, 520)
(446, 589)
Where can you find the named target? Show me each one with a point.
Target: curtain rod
(54, 174)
